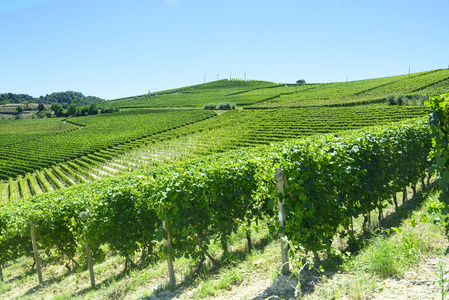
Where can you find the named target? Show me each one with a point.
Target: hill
(256, 94)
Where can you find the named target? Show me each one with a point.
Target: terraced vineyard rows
(228, 131)
(260, 94)
(96, 133)
(191, 97)
(438, 88)
(344, 93)
(19, 132)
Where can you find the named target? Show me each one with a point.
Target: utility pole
(245, 76)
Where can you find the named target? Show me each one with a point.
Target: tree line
(57, 110)
(74, 111)
(63, 98)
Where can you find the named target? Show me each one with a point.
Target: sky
(115, 48)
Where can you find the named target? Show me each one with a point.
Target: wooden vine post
(171, 270)
(36, 254)
(280, 187)
(84, 215)
(1, 274)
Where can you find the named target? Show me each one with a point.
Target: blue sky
(116, 48)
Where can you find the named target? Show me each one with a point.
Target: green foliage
(69, 97)
(400, 99)
(108, 110)
(92, 109)
(226, 106)
(9, 98)
(210, 106)
(71, 110)
(442, 280)
(20, 109)
(439, 124)
(40, 107)
(221, 106)
(338, 178)
(57, 109)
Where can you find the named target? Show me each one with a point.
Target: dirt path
(419, 283)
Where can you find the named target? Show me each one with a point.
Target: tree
(40, 107)
(300, 81)
(56, 108)
(20, 109)
(72, 110)
(92, 110)
(83, 111)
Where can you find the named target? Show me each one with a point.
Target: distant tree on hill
(226, 106)
(84, 111)
(40, 107)
(210, 106)
(10, 98)
(63, 98)
(300, 81)
(72, 110)
(92, 110)
(107, 110)
(69, 97)
(57, 109)
(20, 109)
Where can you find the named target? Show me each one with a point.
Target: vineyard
(35, 151)
(191, 97)
(359, 92)
(116, 152)
(201, 199)
(152, 183)
(263, 94)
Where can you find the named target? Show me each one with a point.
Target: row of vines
(333, 178)
(439, 124)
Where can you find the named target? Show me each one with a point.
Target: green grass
(382, 257)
